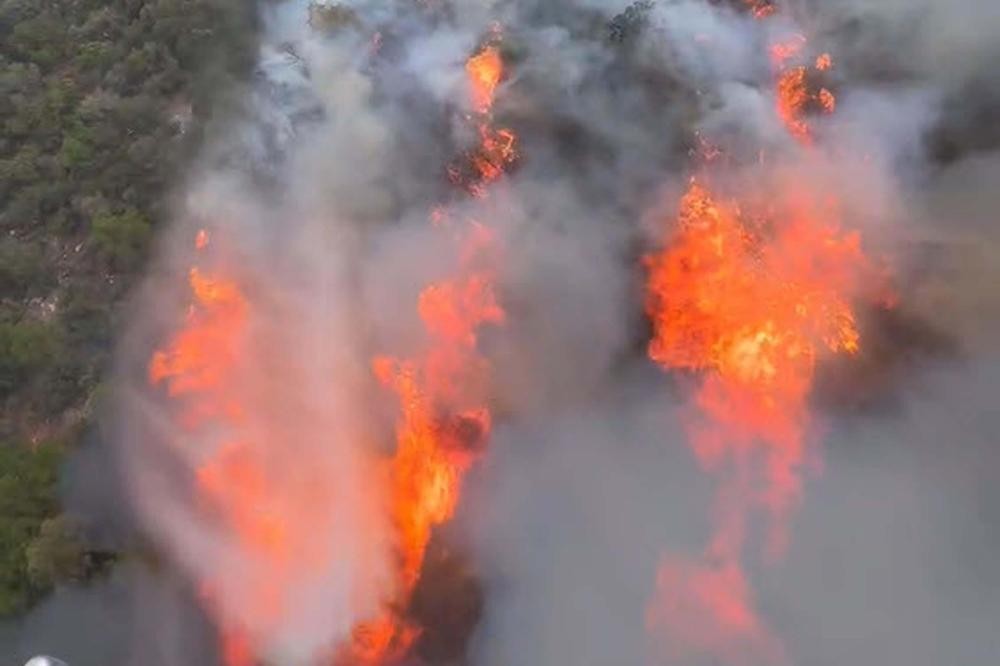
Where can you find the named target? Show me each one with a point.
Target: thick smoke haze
(318, 198)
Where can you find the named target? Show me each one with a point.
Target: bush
(56, 554)
(96, 56)
(25, 348)
(123, 237)
(21, 269)
(77, 149)
(88, 93)
(27, 499)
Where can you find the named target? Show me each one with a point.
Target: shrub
(25, 348)
(123, 237)
(27, 499)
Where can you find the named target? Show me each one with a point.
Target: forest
(102, 105)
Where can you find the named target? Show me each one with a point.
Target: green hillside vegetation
(102, 103)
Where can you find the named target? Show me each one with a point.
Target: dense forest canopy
(102, 103)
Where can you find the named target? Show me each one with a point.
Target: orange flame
(751, 305)
(198, 365)
(497, 148)
(826, 100)
(484, 71)
(443, 426)
(444, 420)
(200, 356)
(755, 312)
(269, 501)
(793, 97)
(782, 52)
(792, 87)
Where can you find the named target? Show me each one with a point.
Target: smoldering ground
(322, 193)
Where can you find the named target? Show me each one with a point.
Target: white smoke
(319, 199)
(289, 228)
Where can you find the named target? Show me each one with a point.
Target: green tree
(77, 148)
(21, 269)
(89, 90)
(26, 347)
(56, 554)
(40, 39)
(27, 499)
(123, 237)
(96, 56)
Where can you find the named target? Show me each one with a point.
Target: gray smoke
(320, 194)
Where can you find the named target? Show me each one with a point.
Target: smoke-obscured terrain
(247, 483)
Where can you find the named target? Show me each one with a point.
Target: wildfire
(751, 305)
(793, 97)
(782, 52)
(271, 508)
(484, 72)
(748, 297)
(794, 88)
(200, 356)
(753, 308)
(443, 426)
(441, 430)
(444, 420)
(497, 148)
(260, 479)
(197, 366)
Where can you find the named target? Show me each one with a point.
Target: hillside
(102, 104)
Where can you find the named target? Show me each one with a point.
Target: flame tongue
(749, 298)
(751, 310)
(199, 368)
(796, 93)
(266, 473)
(754, 313)
(484, 70)
(444, 419)
(497, 149)
(269, 505)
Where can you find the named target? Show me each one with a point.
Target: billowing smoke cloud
(256, 479)
(318, 204)
(569, 581)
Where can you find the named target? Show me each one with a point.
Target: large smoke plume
(318, 200)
